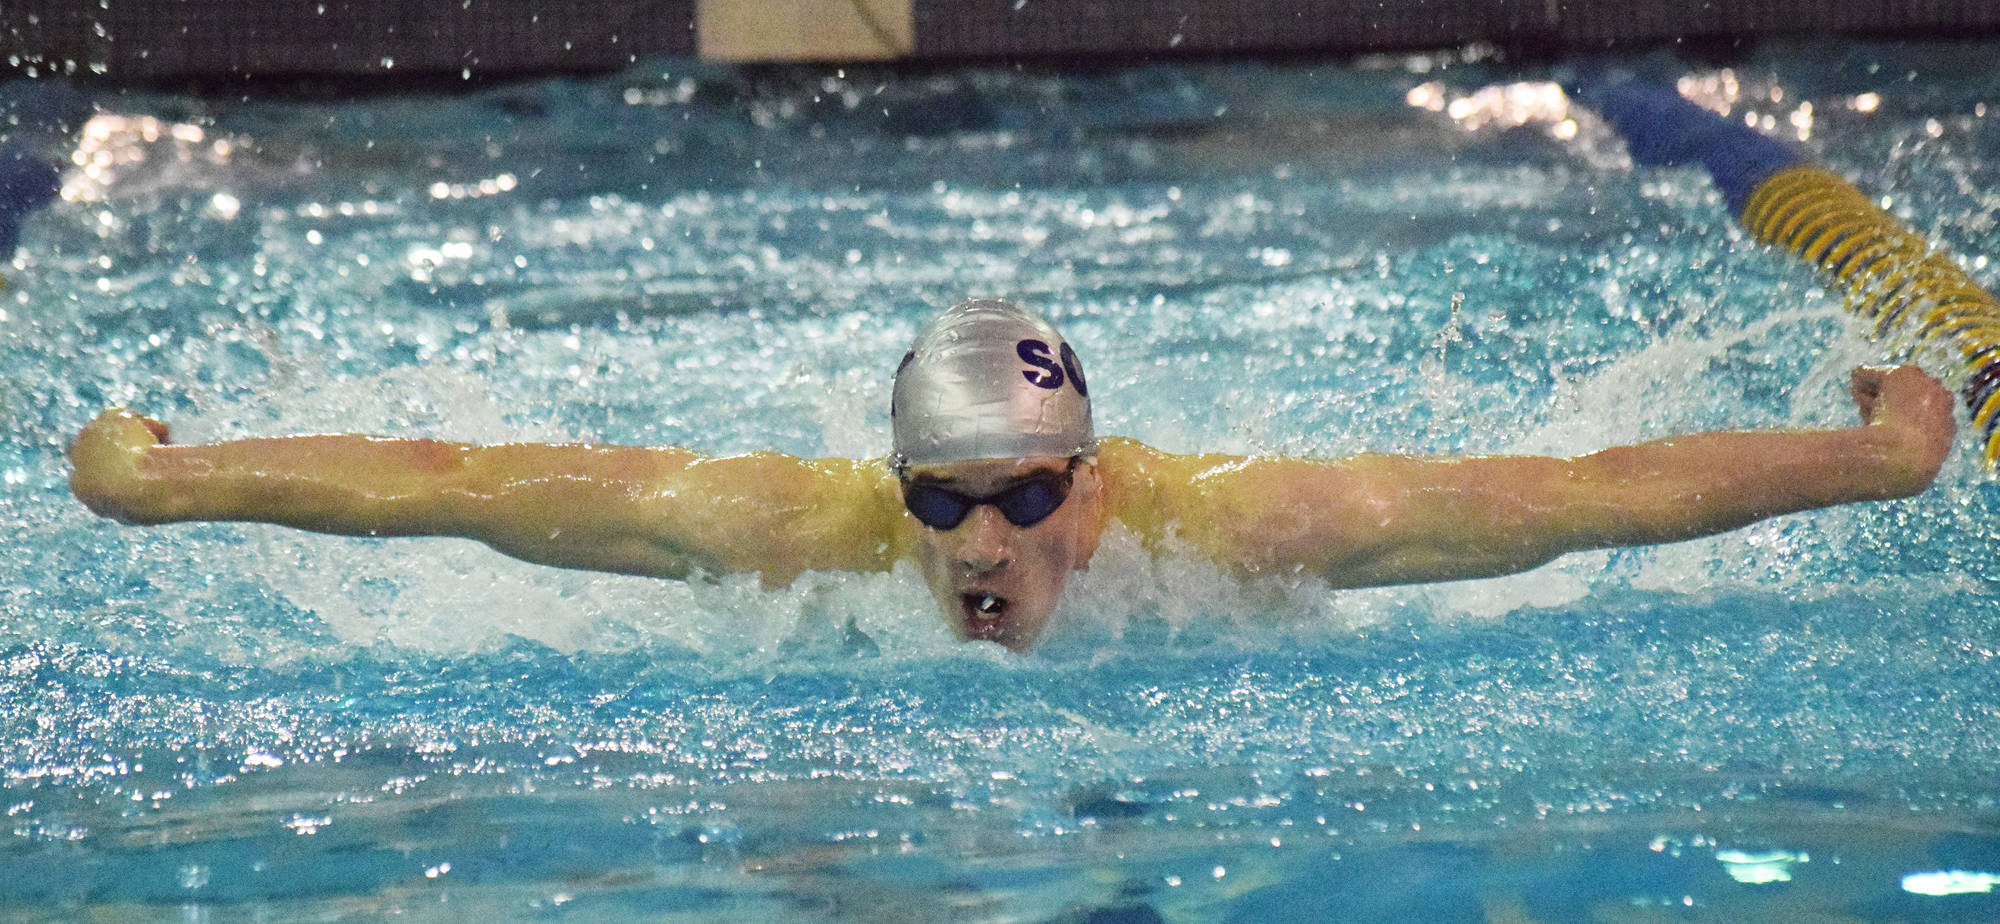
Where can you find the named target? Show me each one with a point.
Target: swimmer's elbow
(637, 556)
(610, 555)
(1430, 564)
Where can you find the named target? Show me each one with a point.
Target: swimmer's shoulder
(1154, 492)
(856, 514)
(783, 515)
(1248, 513)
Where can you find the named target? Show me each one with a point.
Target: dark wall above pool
(238, 39)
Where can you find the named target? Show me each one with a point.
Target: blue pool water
(1426, 254)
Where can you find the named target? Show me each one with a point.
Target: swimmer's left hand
(1911, 413)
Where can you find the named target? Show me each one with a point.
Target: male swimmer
(999, 488)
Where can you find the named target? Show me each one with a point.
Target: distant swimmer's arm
(659, 512)
(1388, 520)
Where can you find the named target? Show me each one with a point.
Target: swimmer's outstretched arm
(1388, 520)
(658, 512)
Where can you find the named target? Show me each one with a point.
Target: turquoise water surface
(1426, 254)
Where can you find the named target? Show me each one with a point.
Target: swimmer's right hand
(109, 459)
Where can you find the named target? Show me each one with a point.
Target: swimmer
(998, 487)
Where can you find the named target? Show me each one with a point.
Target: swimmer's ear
(1088, 489)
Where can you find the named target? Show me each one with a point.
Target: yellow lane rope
(1915, 293)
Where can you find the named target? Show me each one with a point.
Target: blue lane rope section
(26, 184)
(1664, 129)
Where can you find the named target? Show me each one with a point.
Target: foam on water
(1257, 258)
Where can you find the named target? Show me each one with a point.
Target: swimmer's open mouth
(983, 613)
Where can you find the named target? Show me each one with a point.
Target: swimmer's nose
(984, 540)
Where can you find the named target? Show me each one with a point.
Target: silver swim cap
(989, 379)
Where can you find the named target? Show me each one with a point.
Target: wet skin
(1022, 569)
(1361, 521)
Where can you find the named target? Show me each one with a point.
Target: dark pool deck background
(235, 40)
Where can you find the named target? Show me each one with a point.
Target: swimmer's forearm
(348, 485)
(1529, 511)
(1485, 517)
(1374, 520)
(124, 468)
(570, 506)
(1708, 483)
(1694, 486)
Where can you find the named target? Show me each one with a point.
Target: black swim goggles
(1024, 503)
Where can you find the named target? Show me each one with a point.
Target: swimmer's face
(1021, 568)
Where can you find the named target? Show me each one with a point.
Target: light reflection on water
(248, 718)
